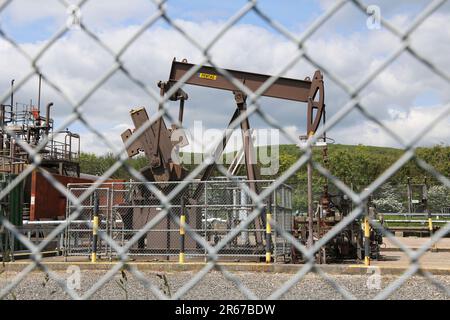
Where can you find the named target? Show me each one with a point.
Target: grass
(424, 222)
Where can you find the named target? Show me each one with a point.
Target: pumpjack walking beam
(308, 91)
(206, 76)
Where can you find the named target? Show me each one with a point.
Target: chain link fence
(125, 208)
(120, 235)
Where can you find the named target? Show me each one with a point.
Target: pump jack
(156, 142)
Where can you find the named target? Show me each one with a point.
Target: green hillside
(357, 166)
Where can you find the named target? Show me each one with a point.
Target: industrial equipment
(24, 123)
(349, 243)
(157, 145)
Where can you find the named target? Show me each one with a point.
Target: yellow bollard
(430, 227)
(94, 239)
(366, 242)
(268, 238)
(182, 235)
(95, 229)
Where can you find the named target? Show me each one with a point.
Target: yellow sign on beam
(207, 76)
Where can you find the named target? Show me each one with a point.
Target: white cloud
(98, 14)
(406, 124)
(91, 143)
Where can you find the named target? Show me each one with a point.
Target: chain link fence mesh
(120, 235)
(125, 208)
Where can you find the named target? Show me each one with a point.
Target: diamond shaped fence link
(165, 201)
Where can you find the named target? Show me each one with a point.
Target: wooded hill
(357, 166)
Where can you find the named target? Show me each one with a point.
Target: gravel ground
(215, 286)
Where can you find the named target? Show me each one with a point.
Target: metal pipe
(12, 93)
(409, 195)
(39, 93)
(181, 112)
(2, 115)
(310, 200)
(48, 117)
(54, 222)
(416, 214)
(2, 124)
(414, 221)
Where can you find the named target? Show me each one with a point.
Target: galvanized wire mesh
(126, 207)
(79, 199)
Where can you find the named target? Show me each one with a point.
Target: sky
(406, 96)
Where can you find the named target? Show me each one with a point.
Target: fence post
(182, 231)
(269, 231)
(409, 191)
(110, 217)
(428, 211)
(425, 203)
(95, 229)
(309, 171)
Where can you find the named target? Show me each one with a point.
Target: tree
(389, 200)
(438, 198)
